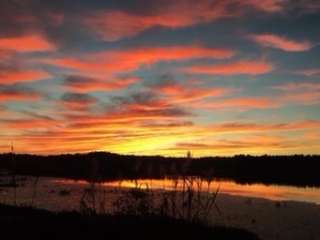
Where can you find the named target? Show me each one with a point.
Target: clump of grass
(193, 201)
(35, 190)
(94, 198)
(136, 201)
(190, 199)
(64, 192)
(88, 201)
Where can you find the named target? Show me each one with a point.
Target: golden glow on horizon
(228, 139)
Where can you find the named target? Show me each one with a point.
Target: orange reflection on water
(271, 192)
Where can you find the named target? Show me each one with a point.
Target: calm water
(47, 193)
(291, 220)
(271, 192)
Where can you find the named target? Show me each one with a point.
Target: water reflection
(271, 192)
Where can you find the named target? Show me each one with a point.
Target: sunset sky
(145, 77)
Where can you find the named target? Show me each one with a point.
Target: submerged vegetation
(193, 201)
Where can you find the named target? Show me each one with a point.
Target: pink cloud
(246, 143)
(239, 103)
(232, 68)
(32, 123)
(266, 5)
(27, 43)
(176, 93)
(6, 96)
(300, 86)
(113, 25)
(111, 63)
(10, 76)
(77, 102)
(310, 72)
(84, 85)
(303, 93)
(261, 127)
(283, 43)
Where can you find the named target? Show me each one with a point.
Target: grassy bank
(30, 223)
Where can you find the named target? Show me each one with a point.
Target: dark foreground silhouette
(29, 223)
(298, 170)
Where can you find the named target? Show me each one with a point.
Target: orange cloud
(296, 94)
(108, 132)
(233, 68)
(125, 111)
(115, 62)
(127, 139)
(283, 43)
(263, 127)
(81, 84)
(176, 93)
(301, 98)
(113, 25)
(246, 144)
(161, 110)
(25, 44)
(6, 96)
(307, 124)
(131, 113)
(77, 101)
(31, 123)
(266, 5)
(240, 103)
(10, 76)
(303, 93)
(4, 55)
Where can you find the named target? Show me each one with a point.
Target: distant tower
(189, 155)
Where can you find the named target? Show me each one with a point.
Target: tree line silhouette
(298, 170)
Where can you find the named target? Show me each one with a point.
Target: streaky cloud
(280, 42)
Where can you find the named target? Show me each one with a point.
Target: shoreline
(287, 220)
(269, 219)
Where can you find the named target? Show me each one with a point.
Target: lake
(65, 194)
